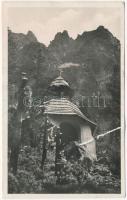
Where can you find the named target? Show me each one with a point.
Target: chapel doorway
(69, 133)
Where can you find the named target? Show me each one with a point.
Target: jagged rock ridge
(97, 52)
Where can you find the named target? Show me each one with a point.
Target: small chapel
(64, 114)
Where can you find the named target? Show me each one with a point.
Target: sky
(46, 22)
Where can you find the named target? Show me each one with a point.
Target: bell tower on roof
(60, 87)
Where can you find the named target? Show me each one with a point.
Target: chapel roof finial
(60, 71)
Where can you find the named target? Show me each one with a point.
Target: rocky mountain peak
(65, 34)
(21, 39)
(31, 37)
(61, 37)
(61, 44)
(101, 28)
(101, 34)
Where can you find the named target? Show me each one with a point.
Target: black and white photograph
(64, 80)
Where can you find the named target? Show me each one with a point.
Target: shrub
(13, 184)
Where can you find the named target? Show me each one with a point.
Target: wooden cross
(60, 71)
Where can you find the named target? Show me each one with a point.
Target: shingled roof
(64, 107)
(59, 81)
